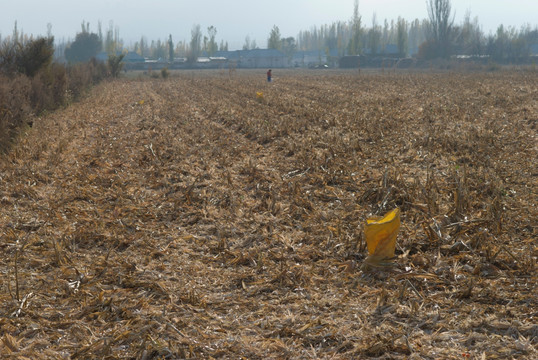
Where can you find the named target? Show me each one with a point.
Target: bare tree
(374, 36)
(223, 46)
(250, 44)
(441, 24)
(470, 37)
(246, 45)
(402, 36)
(196, 43)
(212, 46)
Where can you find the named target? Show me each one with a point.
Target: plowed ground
(187, 218)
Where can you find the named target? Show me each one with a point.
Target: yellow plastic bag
(259, 96)
(381, 233)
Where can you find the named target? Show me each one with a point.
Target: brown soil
(191, 218)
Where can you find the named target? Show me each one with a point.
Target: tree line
(438, 36)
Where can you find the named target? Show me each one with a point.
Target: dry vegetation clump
(185, 218)
(24, 98)
(14, 107)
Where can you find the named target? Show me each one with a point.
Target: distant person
(269, 75)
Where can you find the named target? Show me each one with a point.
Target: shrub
(165, 73)
(493, 66)
(49, 89)
(79, 80)
(8, 57)
(30, 83)
(15, 107)
(428, 50)
(58, 88)
(40, 98)
(35, 55)
(98, 70)
(115, 64)
(26, 58)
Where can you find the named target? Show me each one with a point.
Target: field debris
(259, 96)
(204, 224)
(380, 233)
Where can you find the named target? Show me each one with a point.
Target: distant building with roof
(130, 57)
(255, 58)
(389, 50)
(313, 58)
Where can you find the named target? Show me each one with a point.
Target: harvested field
(192, 218)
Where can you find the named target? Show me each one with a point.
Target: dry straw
(203, 224)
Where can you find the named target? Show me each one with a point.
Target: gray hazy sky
(235, 19)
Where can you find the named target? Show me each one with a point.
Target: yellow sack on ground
(380, 233)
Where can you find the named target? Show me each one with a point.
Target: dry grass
(203, 223)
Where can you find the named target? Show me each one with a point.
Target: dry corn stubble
(183, 218)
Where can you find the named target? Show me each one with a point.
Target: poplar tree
(212, 46)
(274, 41)
(170, 49)
(196, 43)
(401, 26)
(354, 42)
(441, 25)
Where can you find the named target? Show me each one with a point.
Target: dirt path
(187, 219)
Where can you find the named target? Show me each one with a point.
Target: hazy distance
(237, 19)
